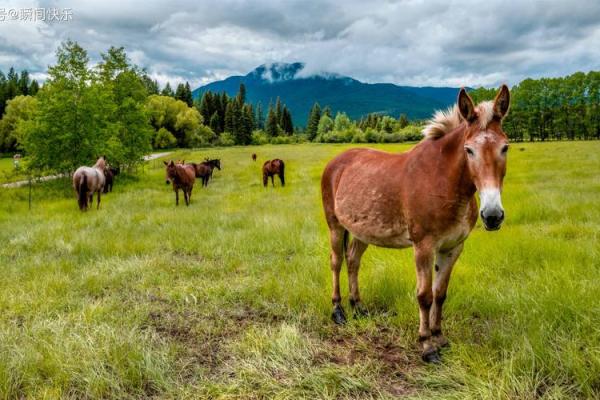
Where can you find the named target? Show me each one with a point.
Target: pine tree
(260, 116)
(229, 124)
(278, 111)
(23, 83)
(241, 96)
(402, 121)
(271, 127)
(167, 91)
(286, 121)
(313, 121)
(215, 123)
(188, 95)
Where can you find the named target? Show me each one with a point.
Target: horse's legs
(424, 262)
(98, 206)
(353, 255)
(273, 180)
(176, 197)
(337, 238)
(265, 179)
(443, 266)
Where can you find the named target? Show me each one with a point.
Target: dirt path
(17, 184)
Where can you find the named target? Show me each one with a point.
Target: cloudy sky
(439, 43)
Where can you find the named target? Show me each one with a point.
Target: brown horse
(87, 181)
(109, 175)
(270, 169)
(205, 169)
(253, 156)
(423, 198)
(183, 177)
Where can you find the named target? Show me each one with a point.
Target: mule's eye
(469, 151)
(504, 149)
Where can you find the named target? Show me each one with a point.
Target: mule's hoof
(360, 311)
(338, 315)
(441, 341)
(431, 357)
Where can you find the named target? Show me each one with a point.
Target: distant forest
(115, 108)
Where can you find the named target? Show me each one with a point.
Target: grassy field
(230, 297)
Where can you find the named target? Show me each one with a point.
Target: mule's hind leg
(443, 267)
(337, 237)
(98, 206)
(353, 255)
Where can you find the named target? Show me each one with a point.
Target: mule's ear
(502, 102)
(466, 106)
(165, 163)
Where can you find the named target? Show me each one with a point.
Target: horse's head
(486, 146)
(171, 171)
(101, 163)
(216, 163)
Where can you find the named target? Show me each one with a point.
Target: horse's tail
(82, 190)
(282, 173)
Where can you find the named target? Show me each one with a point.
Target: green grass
(230, 297)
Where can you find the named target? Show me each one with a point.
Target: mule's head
(486, 147)
(170, 171)
(217, 163)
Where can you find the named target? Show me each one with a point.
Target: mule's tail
(282, 174)
(82, 190)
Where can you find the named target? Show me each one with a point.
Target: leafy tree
(163, 139)
(402, 121)
(20, 108)
(71, 126)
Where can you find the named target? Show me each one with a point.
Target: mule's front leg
(424, 263)
(176, 197)
(443, 266)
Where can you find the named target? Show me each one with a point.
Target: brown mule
(423, 198)
(253, 156)
(183, 177)
(271, 168)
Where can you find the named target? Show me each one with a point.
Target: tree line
(114, 108)
(552, 108)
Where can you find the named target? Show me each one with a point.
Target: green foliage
(312, 124)
(72, 124)
(164, 139)
(20, 108)
(13, 85)
(226, 139)
(259, 137)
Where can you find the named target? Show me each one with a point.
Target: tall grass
(230, 297)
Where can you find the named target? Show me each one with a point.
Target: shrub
(412, 133)
(226, 139)
(164, 139)
(259, 137)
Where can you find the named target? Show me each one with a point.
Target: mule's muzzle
(493, 220)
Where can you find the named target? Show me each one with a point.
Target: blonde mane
(446, 121)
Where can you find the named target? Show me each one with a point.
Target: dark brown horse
(87, 181)
(424, 198)
(253, 156)
(183, 177)
(204, 170)
(270, 169)
(109, 174)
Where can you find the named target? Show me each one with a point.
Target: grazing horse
(87, 181)
(253, 156)
(183, 177)
(109, 174)
(270, 169)
(424, 198)
(204, 170)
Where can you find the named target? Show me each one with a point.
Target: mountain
(341, 93)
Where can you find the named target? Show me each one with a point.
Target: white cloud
(406, 42)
